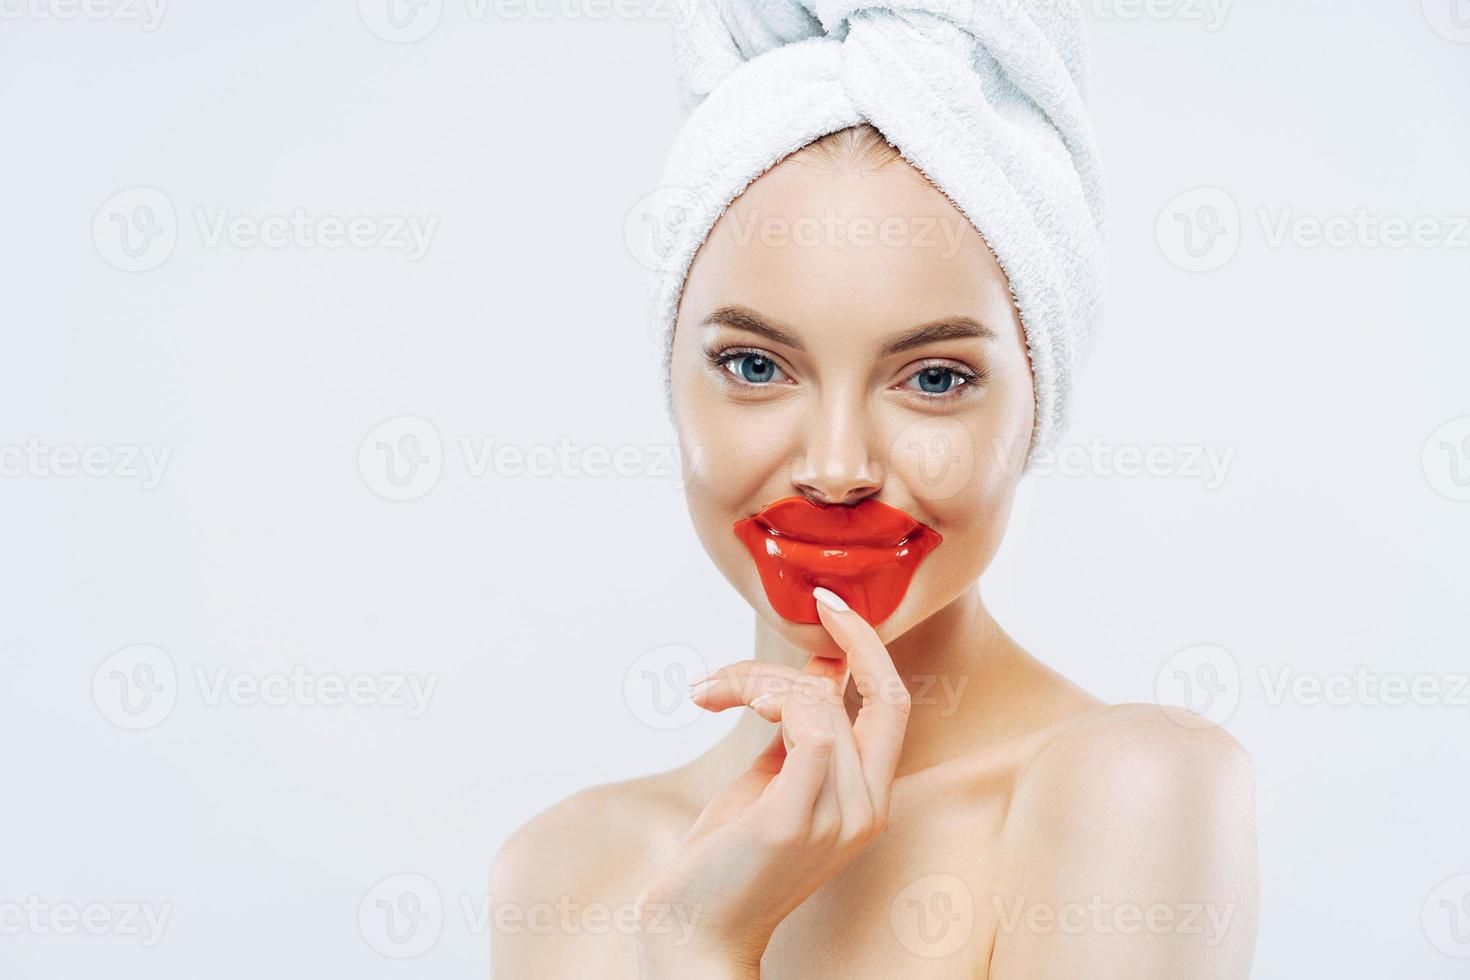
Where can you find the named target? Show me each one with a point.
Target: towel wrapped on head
(985, 97)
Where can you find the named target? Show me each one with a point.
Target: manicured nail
(829, 599)
(700, 686)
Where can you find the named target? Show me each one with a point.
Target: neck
(969, 683)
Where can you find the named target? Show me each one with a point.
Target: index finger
(883, 718)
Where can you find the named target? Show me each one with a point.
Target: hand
(816, 795)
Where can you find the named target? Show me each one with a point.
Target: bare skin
(1021, 828)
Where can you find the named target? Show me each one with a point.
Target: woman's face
(844, 268)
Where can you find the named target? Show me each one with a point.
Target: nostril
(850, 497)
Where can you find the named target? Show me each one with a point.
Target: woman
(908, 793)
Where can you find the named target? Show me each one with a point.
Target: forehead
(811, 245)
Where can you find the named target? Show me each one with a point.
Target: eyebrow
(957, 327)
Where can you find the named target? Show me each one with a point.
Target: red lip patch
(867, 553)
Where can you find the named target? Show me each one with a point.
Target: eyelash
(972, 379)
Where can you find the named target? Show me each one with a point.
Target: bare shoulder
(584, 842)
(1127, 750)
(1134, 771)
(563, 885)
(1144, 817)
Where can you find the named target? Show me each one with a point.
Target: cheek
(952, 466)
(937, 461)
(963, 470)
(730, 451)
(730, 455)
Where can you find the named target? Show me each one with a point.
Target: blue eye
(755, 368)
(937, 380)
(751, 367)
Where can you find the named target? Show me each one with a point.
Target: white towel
(986, 97)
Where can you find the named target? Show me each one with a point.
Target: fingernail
(700, 686)
(829, 599)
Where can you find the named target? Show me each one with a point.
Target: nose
(834, 466)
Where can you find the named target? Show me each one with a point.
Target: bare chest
(916, 903)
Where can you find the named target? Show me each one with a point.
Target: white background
(1334, 547)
